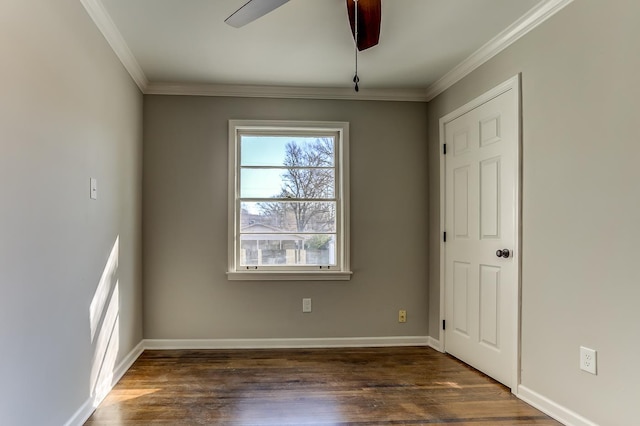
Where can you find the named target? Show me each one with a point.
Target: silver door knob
(503, 253)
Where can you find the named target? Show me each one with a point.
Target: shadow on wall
(104, 322)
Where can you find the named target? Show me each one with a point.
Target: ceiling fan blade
(369, 16)
(252, 10)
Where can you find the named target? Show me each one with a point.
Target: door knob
(503, 253)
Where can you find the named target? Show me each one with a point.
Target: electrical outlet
(306, 305)
(402, 315)
(588, 360)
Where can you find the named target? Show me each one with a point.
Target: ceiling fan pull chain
(356, 79)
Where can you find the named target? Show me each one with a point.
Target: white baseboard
(89, 406)
(335, 342)
(82, 415)
(126, 363)
(435, 344)
(551, 408)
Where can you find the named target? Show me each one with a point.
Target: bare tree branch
(309, 175)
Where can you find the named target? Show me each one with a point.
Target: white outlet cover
(588, 360)
(306, 305)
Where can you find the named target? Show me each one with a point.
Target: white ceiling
(307, 43)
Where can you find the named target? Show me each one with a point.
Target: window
(288, 200)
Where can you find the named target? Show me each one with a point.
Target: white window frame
(341, 271)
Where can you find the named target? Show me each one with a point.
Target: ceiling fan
(365, 24)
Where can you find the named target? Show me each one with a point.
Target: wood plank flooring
(361, 386)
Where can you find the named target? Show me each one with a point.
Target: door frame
(514, 84)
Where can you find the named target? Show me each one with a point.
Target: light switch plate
(306, 305)
(93, 191)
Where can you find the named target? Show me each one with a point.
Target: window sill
(289, 276)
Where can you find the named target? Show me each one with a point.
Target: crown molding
(536, 16)
(286, 92)
(105, 24)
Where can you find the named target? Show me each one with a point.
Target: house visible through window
(288, 188)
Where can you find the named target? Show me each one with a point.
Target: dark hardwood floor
(363, 386)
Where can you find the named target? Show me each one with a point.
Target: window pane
(287, 216)
(261, 183)
(298, 151)
(279, 249)
(287, 183)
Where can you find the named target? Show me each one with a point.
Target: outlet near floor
(588, 360)
(402, 315)
(306, 305)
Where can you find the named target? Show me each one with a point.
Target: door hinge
(444, 324)
(444, 237)
(444, 149)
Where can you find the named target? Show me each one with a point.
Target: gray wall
(68, 111)
(187, 294)
(581, 203)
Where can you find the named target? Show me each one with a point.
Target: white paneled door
(481, 218)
